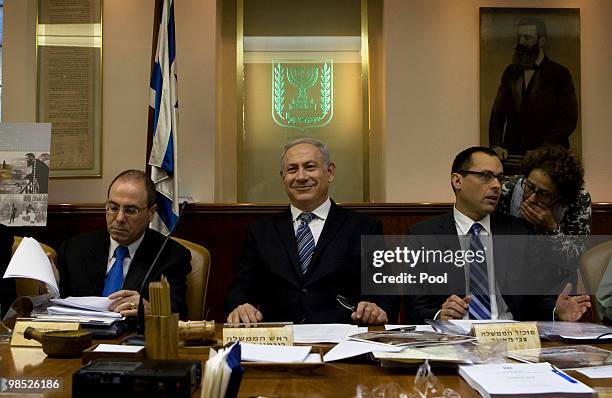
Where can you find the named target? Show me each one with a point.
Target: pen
(343, 301)
(560, 373)
(402, 329)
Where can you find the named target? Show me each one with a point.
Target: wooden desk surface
(336, 379)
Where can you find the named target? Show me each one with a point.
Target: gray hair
(320, 146)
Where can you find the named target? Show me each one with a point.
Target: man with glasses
(114, 262)
(476, 179)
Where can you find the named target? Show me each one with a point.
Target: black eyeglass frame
(487, 176)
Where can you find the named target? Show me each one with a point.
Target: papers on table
(353, 348)
(118, 348)
(410, 338)
(578, 331)
(460, 326)
(274, 353)
(567, 357)
(522, 380)
(93, 303)
(439, 353)
(222, 373)
(600, 372)
(324, 333)
(31, 262)
(60, 310)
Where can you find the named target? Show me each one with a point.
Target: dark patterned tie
(114, 278)
(305, 241)
(480, 306)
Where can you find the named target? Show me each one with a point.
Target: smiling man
(511, 260)
(294, 264)
(114, 262)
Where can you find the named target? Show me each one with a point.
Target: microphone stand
(140, 321)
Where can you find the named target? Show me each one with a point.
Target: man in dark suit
(294, 264)
(114, 262)
(476, 179)
(536, 102)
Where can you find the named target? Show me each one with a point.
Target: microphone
(140, 325)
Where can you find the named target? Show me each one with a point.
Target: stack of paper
(223, 373)
(522, 380)
(31, 262)
(277, 353)
(91, 306)
(566, 357)
(324, 333)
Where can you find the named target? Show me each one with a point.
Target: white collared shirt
(127, 260)
(499, 309)
(317, 223)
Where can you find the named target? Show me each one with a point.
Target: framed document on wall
(69, 94)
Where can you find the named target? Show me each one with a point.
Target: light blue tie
(480, 306)
(305, 241)
(114, 278)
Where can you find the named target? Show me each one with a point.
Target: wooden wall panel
(221, 229)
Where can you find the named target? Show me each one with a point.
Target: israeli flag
(164, 101)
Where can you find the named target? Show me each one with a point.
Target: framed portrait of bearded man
(529, 80)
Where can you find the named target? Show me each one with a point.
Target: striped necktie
(305, 241)
(480, 305)
(114, 278)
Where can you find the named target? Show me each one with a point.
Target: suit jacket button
(304, 291)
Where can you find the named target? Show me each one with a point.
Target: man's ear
(541, 41)
(331, 169)
(152, 211)
(456, 181)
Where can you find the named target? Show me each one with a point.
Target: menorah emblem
(293, 82)
(302, 78)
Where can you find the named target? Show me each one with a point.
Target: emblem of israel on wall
(302, 94)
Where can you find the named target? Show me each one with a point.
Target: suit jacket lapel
(284, 228)
(500, 252)
(334, 223)
(97, 264)
(517, 89)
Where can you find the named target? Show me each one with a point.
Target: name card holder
(259, 333)
(516, 335)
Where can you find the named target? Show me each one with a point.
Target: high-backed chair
(197, 280)
(593, 265)
(31, 287)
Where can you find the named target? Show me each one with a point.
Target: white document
(60, 310)
(118, 348)
(30, 261)
(274, 353)
(522, 380)
(466, 324)
(352, 348)
(598, 372)
(93, 303)
(324, 333)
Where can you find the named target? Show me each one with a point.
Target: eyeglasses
(128, 211)
(486, 176)
(529, 188)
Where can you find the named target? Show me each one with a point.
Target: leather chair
(31, 287)
(593, 264)
(197, 280)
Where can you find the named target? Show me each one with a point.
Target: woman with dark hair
(550, 196)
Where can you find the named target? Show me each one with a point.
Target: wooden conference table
(336, 379)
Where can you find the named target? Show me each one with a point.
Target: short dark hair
(563, 168)
(463, 160)
(137, 176)
(539, 24)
